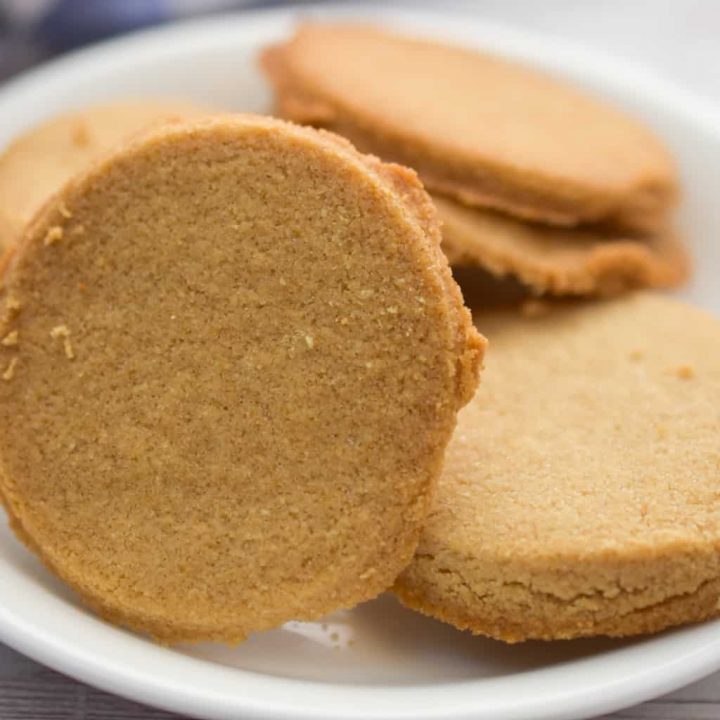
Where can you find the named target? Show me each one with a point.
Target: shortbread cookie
(580, 494)
(559, 261)
(37, 164)
(482, 129)
(232, 358)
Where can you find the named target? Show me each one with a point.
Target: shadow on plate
(383, 643)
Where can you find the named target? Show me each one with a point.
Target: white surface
(677, 38)
(398, 665)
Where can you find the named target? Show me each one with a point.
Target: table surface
(644, 31)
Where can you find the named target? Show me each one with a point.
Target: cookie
(476, 127)
(37, 164)
(580, 490)
(232, 357)
(559, 261)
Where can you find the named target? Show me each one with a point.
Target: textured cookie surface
(474, 126)
(581, 490)
(232, 358)
(37, 164)
(559, 261)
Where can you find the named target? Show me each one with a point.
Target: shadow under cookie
(559, 261)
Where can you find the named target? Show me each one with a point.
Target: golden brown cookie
(559, 261)
(485, 130)
(233, 355)
(37, 164)
(580, 493)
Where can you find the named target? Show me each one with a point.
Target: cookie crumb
(344, 321)
(53, 235)
(685, 372)
(80, 135)
(59, 331)
(13, 305)
(64, 211)
(10, 339)
(534, 308)
(10, 370)
(392, 310)
(62, 331)
(309, 341)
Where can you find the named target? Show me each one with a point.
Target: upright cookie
(37, 164)
(233, 356)
(484, 130)
(559, 261)
(580, 494)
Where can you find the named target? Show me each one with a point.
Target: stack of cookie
(233, 355)
(579, 495)
(532, 179)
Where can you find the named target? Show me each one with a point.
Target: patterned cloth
(32, 30)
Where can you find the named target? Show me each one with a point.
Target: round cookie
(233, 356)
(559, 261)
(36, 164)
(580, 494)
(476, 127)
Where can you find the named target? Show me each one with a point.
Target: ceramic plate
(378, 661)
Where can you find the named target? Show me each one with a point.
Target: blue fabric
(71, 23)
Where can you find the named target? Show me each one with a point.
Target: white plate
(379, 660)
